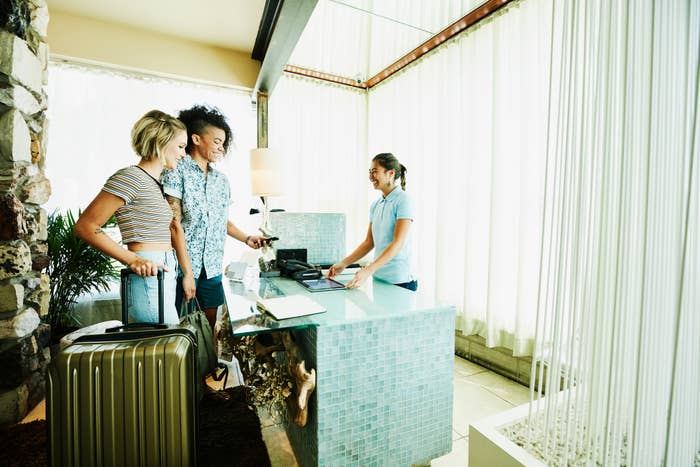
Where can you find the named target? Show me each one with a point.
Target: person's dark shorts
(210, 291)
(413, 285)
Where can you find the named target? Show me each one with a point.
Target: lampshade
(265, 172)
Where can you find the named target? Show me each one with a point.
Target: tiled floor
(478, 393)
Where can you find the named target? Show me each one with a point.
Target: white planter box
(488, 447)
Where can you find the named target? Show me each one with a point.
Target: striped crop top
(146, 216)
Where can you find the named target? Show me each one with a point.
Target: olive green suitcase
(125, 398)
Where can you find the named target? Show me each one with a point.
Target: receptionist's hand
(360, 277)
(336, 269)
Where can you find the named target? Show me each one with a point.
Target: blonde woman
(135, 196)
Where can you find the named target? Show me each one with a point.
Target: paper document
(291, 306)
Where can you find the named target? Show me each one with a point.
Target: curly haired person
(200, 196)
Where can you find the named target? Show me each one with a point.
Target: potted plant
(75, 268)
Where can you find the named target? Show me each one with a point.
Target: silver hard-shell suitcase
(126, 397)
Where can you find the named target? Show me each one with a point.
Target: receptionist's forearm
(359, 252)
(390, 251)
(400, 234)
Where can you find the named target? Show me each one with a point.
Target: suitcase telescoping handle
(125, 275)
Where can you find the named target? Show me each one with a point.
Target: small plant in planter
(75, 268)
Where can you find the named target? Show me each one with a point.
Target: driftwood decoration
(304, 381)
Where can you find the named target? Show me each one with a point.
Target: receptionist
(390, 219)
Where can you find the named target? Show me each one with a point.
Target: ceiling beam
(267, 25)
(292, 18)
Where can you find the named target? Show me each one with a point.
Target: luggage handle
(137, 327)
(125, 273)
(145, 333)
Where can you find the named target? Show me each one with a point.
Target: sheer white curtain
(359, 38)
(468, 121)
(91, 112)
(619, 279)
(321, 131)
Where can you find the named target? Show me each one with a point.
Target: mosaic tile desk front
(384, 363)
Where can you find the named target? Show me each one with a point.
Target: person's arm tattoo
(99, 231)
(176, 206)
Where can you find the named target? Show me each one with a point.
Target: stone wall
(24, 289)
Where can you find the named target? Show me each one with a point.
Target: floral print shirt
(205, 202)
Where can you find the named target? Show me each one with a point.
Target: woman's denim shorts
(143, 291)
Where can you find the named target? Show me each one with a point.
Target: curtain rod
(478, 14)
(87, 63)
(323, 76)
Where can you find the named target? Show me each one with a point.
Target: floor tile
(506, 389)
(458, 457)
(464, 367)
(472, 402)
(267, 418)
(278, 447)
(37, 413)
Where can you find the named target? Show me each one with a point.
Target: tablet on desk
(321, 285)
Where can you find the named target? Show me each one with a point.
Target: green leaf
(75, 268)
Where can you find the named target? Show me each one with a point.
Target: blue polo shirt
(383, 215)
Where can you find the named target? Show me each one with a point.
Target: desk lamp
(266, 180)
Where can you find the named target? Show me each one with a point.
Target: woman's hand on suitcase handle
(189, 287)
(144, 267)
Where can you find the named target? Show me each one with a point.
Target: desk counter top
(375, 300)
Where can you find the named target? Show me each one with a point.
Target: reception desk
(384, 361)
